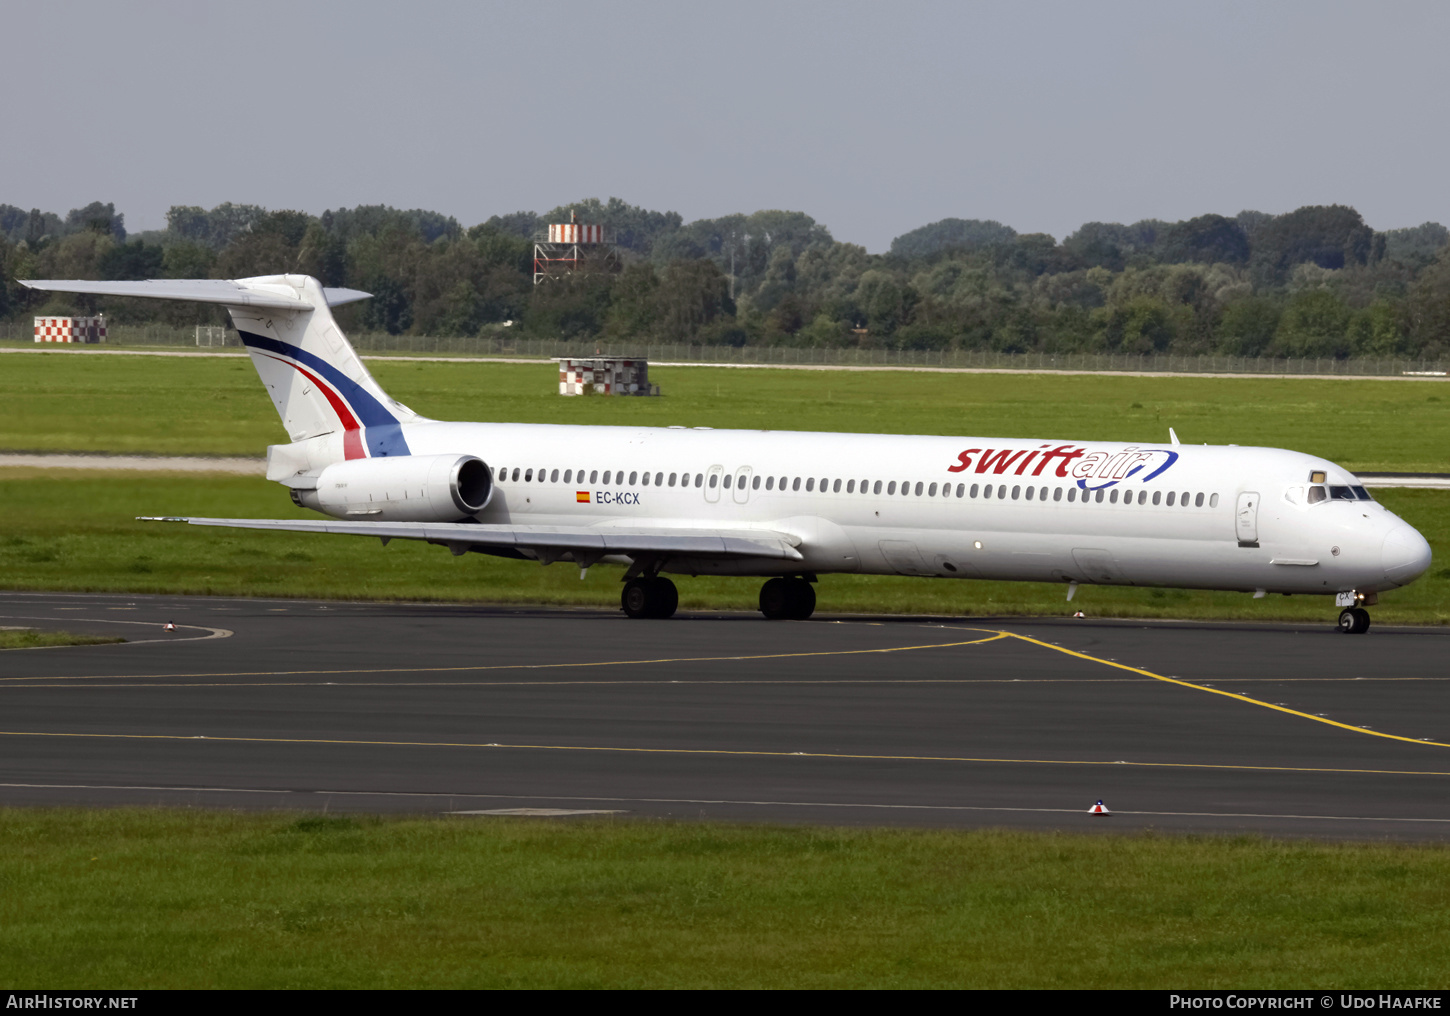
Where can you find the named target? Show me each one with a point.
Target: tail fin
(317, 382)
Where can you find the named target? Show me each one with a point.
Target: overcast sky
(875, 118)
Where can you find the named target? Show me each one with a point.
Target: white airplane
(787, 505)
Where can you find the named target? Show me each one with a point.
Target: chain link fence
(522, 347)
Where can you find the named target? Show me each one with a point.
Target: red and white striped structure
(606, 375)
(70, 329)
(575, 232)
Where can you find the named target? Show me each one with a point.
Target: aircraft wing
(586, 542)
(223, 291)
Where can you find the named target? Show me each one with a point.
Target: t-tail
(333, 409)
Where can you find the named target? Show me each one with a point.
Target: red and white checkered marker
(169, 627)
(1099, 809)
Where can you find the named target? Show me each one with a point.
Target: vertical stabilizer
(317, 381)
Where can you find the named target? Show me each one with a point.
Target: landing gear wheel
(1353, 620)
(784, 599)
(649, 598)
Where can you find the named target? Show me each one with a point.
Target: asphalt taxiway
(1286, 729)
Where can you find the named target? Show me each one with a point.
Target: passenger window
(1071, 494)
(1142, 497)
(973, 491)
(1183, 501)
(810, 483)
(795, 484)
(1057, 493)
(1001, 492)
(987, 491)
(1015, 492)
(554, 476)
(516, 474)
(593, 475)
(918, 488)
(659, 479)
(699, 479)
(633, 477)
(836, 487)
(1171, 495)
(713, 480)
(727, 481)
(1198, 500)
(644, 479)
(876, 487)
(850, 486)
(528, 476)
(770, 483)
(568, 475)
(1157, 496)
(1099, 497)
(1316, 494)
(1213, 500)
(672, 479)
(931, 491)
(961, 489)
(1030, 492)
(606, 477)
(1113, 496)
(891, 487)
(755, 483)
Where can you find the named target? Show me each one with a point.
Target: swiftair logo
(1091, 470)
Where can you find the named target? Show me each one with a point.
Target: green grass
(192, 406)
(75, 530)
(31, 639)
(193, 899)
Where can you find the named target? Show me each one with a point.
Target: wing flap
(596, 540)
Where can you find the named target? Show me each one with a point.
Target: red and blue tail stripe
(370, 430)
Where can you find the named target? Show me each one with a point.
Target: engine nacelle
(408, 488)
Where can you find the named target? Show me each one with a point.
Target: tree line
(1317, 281)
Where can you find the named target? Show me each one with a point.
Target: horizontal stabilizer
(239, 293)
(593, 540)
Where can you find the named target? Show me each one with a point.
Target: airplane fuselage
(1210, 517)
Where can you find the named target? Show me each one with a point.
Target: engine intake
(409, 488)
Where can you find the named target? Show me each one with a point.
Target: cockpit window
(1341, 494)
(1317, 494)
(1361, 493)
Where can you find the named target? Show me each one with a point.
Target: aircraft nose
(1406, 555)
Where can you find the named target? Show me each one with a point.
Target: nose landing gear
(1353, 621)
(787, 599)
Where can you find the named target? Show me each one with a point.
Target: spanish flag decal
(581, 496)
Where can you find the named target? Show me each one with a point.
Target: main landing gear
(787, 599)
(651, 597)
(1353, 621)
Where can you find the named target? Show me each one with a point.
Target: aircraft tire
(655, 598)
(803, 600)
(667, 599)
(1353, 621)
(775, 599)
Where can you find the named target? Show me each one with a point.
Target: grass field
(189, 406)
(26, 638)
(76, 530)
(193, 899)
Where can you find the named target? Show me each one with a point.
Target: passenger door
(1246, 519)
(712, 483)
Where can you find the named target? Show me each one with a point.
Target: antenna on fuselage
(1173, 435)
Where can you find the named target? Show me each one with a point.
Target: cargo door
(1246, 519)
(1096, 565)
(903, 557)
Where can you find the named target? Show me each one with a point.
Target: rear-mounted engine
(410, 488)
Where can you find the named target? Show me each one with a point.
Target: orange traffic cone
(1099, 809)
(169, 627)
